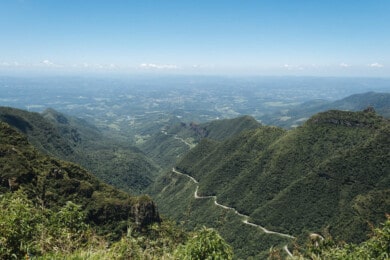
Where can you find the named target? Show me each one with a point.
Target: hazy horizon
(222, 38)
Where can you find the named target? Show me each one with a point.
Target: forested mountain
(53, 209)
(73, 139)
(330, 176)
(52, 182)
(167, 146)
(299, 114)
(379, 101)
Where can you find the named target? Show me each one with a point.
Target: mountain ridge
(75, 140)
(297, 115)
(310, 179)
(170, 145)
(52, 182)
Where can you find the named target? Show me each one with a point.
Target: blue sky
(274, 37)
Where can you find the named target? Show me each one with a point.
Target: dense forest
(195, 130)
(52, 209)
(170, 144)
(309, 180)
(73, 139)
(329, 176)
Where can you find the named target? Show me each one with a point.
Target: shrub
(205, 244)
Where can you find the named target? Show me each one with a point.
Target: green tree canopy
(206, 244)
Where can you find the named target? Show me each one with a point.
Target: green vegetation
(379, 101)
(51, 183)
(330, 176)
(164, 149)
(75, 140)
(177, 200)
(52, 209)
(31, 231)
(207, 244)
(167, 146)
(299, 114)
(225, 128)
(376, 247)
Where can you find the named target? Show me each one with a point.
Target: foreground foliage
(32, 231)
(206, 244)
(376, 247)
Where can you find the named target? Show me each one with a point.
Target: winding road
(245, 217)
(178, 138)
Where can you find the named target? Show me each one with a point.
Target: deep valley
(266, 170)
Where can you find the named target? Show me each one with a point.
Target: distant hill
(379, 101)
(52, 182)
(73, 139)
(299, 114)
(225, 128)
(170, 144)
(330, 176)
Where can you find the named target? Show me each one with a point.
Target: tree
(205, 244)
(19, 223)
(376, 247)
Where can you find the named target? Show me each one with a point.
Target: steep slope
(173, 142)
(52, 182)
(44, 135)
(332, 173)
(260, 170)
(299, 114)
(177, 200)
(225, 128)
(379, 101)
(342, 184)
(73, 139)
